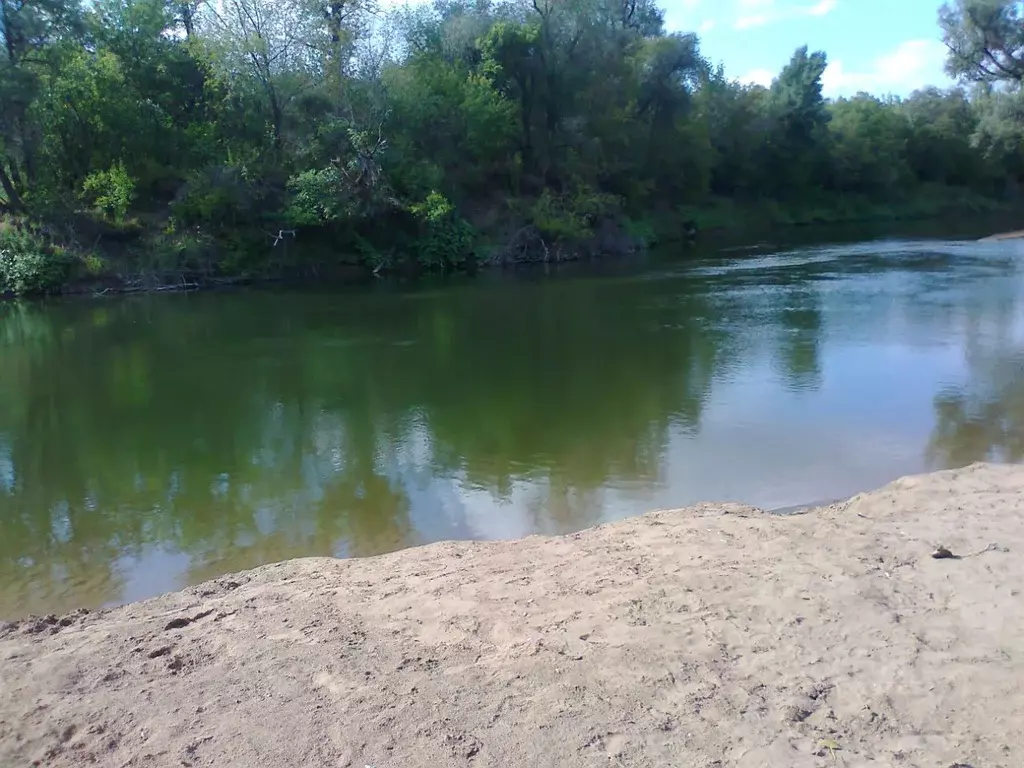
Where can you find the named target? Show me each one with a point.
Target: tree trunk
(276, 116)
(14, 202)
(188, 19)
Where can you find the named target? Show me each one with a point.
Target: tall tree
(267, 44)
(795, 151)
(985, 39)
(940, 131)
(869, 141)
(29, 32)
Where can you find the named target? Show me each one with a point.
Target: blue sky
(880, 46)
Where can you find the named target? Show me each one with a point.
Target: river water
(147, 443)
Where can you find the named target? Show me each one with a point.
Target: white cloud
(754, 20)
(822, 8)
(912, 64)
(754, 13)
(757, 13)
(706, 26)
(758, 77)
(678, 15)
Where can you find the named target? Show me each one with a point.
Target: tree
(670, 71)
(941, 126)
(269, 45)
(869, 139)
(512, 62)
(985, 39)
(738, 126)
(998, 135)
(30, 31)
(509, 129)
(795, 152)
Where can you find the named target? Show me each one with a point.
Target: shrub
(110, 192)
(572, 217)
(445, 238)
(644, 231)
(221, 196)
(556, 220)
(28, 265)
(315, 197)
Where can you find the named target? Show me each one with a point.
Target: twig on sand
(828, 744)
(942, 553)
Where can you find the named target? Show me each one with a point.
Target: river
(151, 442)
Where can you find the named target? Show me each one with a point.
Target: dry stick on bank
(280, 238)
(522, 245)
(942, 553)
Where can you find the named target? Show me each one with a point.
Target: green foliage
(642, 231)
(942, 137)
(985, 39)
(445, 239)
(412, 141)
(28, 264)
(110, 192)
(556, 219)
(93, 264)
(999, 130)
(174, 251)
(221, 197)
(797, 157)
(453, 118)
(869, 139)
(315, 197)
(571, 217)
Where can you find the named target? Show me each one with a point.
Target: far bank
(146, 254)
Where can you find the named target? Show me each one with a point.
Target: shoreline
(718, 635)
(1000, 236)
(718, 223)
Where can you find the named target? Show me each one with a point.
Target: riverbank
(1015, 235)
(711, 636)
(150, 256)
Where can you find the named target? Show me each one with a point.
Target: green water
(148, 443)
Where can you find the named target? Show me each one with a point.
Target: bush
(221, 197)
(572, 217)
(28, 265)
(445, 238)
(315, 198)
(174, 251)
(644, 232)
(110, 192)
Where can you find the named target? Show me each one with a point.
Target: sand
(711, 636)
(1016, 235)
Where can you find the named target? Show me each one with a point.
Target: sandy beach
(714, 636)
(1015, 235)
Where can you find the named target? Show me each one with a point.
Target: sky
(879, 46)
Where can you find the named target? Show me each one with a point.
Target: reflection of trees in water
(582, 387)
(250, 428)
(779, 312)
(244, 429)
(800, 323)
(983, 420)
(969, 429)
(117, 439)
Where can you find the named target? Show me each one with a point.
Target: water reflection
(152, 442)
(982, 418)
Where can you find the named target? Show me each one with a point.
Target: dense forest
(147, 142)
